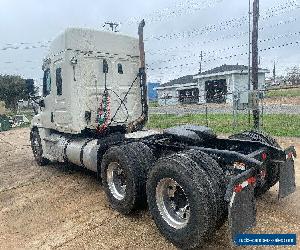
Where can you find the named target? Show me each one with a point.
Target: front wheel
(37, 149)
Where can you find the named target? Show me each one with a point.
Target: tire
(272, 171)
(217, 176)
(195, 200)
(124, 172)
(37, 148)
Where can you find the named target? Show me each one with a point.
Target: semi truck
(93, 114)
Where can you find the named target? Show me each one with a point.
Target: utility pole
(113, 26)
(249, 61)
(249, 48)
(255, 63)
(200, 63)
(274, 72)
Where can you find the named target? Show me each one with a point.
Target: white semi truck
(92, 114)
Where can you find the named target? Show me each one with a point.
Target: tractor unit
(93, 113)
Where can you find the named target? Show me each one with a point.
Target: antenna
(200, 63)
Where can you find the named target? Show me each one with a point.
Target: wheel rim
(116, 180)
(172, 203)
(36, 147)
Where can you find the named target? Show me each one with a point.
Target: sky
(176, 32)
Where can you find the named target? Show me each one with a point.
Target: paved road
(222, 109)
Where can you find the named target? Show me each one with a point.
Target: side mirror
(42, 103)
(105, 66)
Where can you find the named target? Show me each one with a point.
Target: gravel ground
(61, 207)
(222, 109)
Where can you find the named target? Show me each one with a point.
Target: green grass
(295, 92)
(274, 124)
(153, 104)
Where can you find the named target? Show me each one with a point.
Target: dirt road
(58, 207)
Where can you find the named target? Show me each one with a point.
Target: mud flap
(287, 184)
(242, 204)
(242, 211)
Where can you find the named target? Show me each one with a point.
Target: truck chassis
(191, 180)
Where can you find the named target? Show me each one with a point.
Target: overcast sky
(176, 32)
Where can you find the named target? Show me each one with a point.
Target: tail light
(264, 156)
(239, 187)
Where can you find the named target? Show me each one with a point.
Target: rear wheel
(181, 200)
(37, 148)
(272, 171)
(217, 177)
(124, 172)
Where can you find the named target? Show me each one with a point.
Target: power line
(185, 7)
(213, 52)
(228, 24)
(210, 28)
(228, 57)
(221, 38)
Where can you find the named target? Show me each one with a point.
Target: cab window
(120, 68)
(46, 83)
(58, 82)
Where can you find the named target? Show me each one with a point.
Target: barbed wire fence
(231, 112)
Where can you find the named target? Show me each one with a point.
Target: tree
(12, 89)
(293, 76)
(31, 90)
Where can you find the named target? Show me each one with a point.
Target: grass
(153, 104)
(295, 92)
(274, 124)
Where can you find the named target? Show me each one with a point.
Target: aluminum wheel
(116, 180)
(172, 203)
(36, 146)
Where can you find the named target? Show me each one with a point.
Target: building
(152, 91)
(170, 93)
(212, 86)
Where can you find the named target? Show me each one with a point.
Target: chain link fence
(279, 110)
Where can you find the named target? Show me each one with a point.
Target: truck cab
(84, 67)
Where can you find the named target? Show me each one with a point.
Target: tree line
(14, 88)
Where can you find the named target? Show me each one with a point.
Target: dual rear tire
(184, 191)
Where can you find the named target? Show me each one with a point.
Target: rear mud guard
(287, 183)
(241, 203)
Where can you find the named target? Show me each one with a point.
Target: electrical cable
(124, 98)
(121, 103)
(227, 57)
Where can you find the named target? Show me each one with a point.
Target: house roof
(225, 68)
(193, 78)
(180, 80)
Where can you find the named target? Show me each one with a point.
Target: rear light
(264, 156)
(251, 180)
(238, 188)
(290, 155)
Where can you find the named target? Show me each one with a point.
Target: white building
(212, 86)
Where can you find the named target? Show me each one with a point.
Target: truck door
(61, 116)
(47, 114)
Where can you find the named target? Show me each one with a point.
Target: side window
(58, 81)
(120, 68)
(46, 82)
